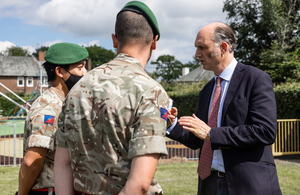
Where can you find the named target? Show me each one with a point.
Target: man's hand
(172, 114)
(195, 126)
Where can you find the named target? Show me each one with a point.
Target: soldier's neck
(60, 85)
(141, 54)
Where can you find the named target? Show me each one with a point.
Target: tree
(281, 60)
(258, 22)
(167, 68)
(283, 66)
(37, 50)
(193, 64)
(16, 51)
(99, 55)
(266, 31)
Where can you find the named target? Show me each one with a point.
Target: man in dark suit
(235, 123)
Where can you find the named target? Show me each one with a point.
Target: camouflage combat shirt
(114, 113)
(40, 130)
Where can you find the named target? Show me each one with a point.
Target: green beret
(65, 53)
(141, 8)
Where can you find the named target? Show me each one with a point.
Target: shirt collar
(128, 58)
(228, 72)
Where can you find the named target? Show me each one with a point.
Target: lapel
(205, 100)
(233, 86)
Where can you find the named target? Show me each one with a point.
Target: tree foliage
(193, 64)
(282, 65)
(99, 55)
(16, 51)
(37, 50)
(168, 68)
(259, 23)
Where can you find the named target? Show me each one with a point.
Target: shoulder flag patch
(49, 119)
(163, 113)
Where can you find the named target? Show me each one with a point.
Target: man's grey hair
(224, 33)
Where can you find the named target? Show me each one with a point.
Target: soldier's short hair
(133, 28)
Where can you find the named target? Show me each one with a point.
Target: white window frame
(20, 79)
(45, 81)
(27, 83)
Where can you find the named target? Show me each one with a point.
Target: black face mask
(72, 80)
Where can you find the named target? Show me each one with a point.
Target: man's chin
(204, 65)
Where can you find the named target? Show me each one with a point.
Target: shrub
(9, 108)
(287, 100)
(185, 98)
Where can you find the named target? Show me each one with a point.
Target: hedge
(185, 98)
(288, 100)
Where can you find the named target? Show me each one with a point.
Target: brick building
(21, 74)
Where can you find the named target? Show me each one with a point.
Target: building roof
(199, 74)
(19, 66)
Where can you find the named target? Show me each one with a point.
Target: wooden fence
(288, 137)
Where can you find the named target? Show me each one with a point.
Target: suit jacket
(248, 129)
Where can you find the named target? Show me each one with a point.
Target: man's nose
(197, 53)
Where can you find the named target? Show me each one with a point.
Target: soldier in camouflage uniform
(65, 65)
(113, 122)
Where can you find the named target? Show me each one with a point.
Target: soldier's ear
(153, 44)
(58, 71)
(115, 40)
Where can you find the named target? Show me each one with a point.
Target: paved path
(295, 159)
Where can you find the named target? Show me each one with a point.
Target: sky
(31, 24)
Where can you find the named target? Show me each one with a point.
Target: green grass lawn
(9, 180)
(175, 178)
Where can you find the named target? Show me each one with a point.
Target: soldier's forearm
(141, 174)
(27, 178)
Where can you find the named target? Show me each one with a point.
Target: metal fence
(11, 146)
(11, 143)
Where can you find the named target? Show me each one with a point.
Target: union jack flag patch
(49, 119)
(163, 113)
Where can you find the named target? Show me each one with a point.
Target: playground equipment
(26, 105)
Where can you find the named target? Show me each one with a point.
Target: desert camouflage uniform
(112, 115)
(39, 134)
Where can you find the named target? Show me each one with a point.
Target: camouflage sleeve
(150, 124)
(43, 126)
